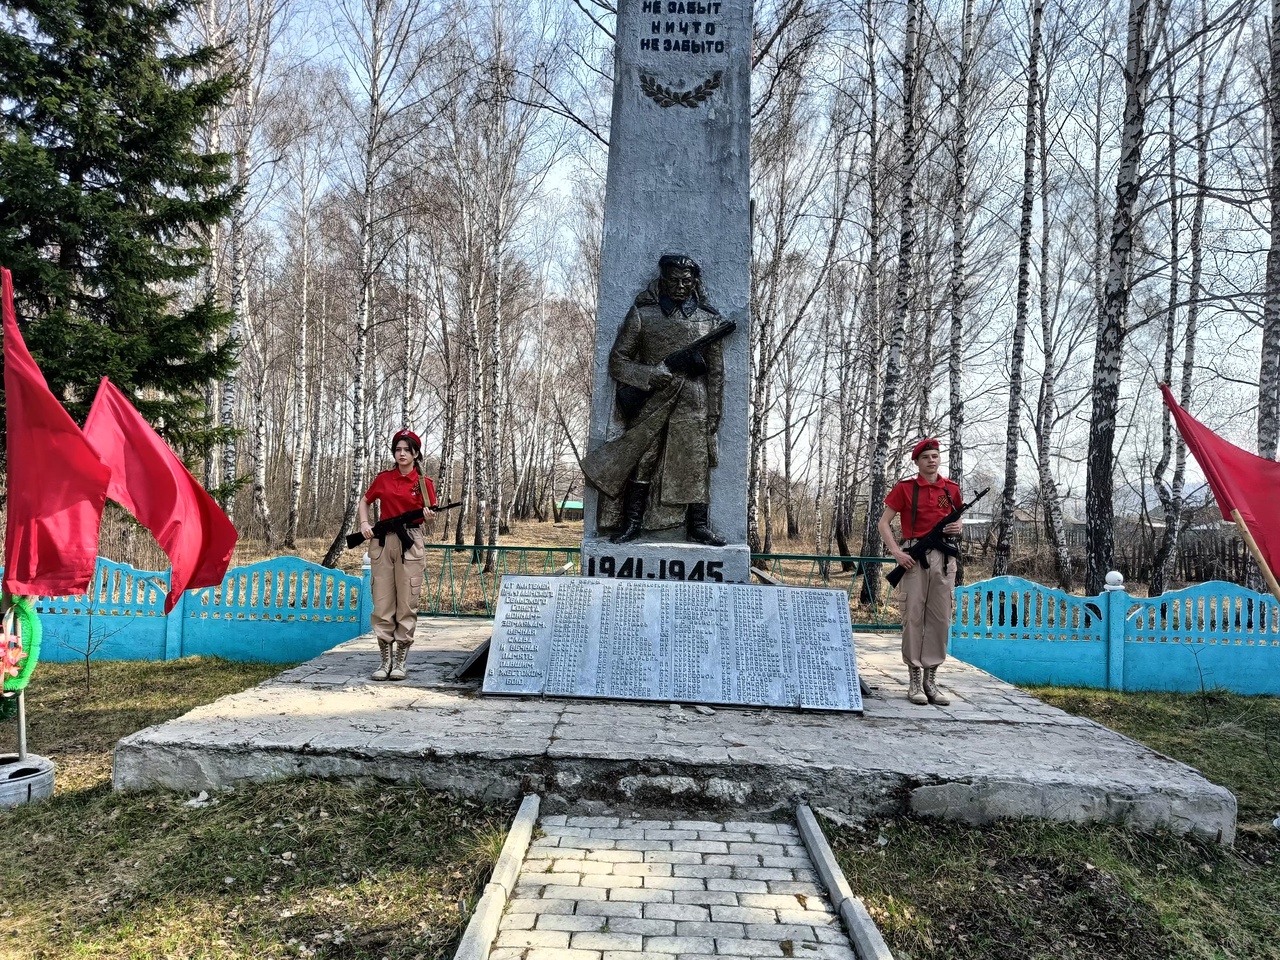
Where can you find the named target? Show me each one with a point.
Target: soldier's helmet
(678, 261)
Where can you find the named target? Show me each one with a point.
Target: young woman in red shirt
(397, 557)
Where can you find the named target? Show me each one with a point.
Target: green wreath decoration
(21, 650)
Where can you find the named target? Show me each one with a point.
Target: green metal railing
(463, 581)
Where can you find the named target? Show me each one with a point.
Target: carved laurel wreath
(666, 97)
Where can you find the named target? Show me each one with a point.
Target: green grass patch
(76, 713)
(1025, 890)
(295, 868)
(1231, 739)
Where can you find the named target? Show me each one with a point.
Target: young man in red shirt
(928, 588)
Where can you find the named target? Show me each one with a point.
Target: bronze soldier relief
(668, 368)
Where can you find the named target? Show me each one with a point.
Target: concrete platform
(995, 752)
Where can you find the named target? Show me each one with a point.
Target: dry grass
(1025, 889)
(286, 869)
(75, 718)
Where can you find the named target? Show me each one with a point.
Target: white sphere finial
(1115, 580)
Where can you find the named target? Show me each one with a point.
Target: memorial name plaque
(690, 642)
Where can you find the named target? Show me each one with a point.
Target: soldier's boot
(698, 526)
(935, 695)
(397, 662)
(384, 669)
(634, 501)
(915, 692)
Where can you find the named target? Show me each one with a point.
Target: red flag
(149, 480)
(57, 485)
(1240, 480)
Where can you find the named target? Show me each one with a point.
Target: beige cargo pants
(928, 601)
(397, 587)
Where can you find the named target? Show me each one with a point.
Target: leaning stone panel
(674, 641)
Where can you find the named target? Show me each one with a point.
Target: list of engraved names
(690, 642)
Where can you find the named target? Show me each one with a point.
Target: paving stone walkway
(605, 888)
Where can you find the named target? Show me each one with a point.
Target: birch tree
(384, 49)
(871, 545)
(1013, 428)
(1269, 362)
(958, 293)
(1145, 17)
(254, 28)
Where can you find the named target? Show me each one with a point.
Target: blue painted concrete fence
(1210, 636)
(278, 611)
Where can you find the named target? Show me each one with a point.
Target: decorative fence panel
(1035, 634)
(277, 611)
(120, 618)
(1212, 635)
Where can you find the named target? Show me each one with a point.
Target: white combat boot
(397, 663)
(384, 669)
(915, 692)
(931, 690)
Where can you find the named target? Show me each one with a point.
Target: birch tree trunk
(317, 407)
(1013, 432)
(1173, 499)
(873, 325)
(260, 505)
(1046, 408)
(1269, 365)
(240, 325)
(959, 249)
(494, 389)
(359, 409)
(1109, 351)
(871, 545)
(449, 416)
(302, 436)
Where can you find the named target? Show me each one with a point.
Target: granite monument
(667, 452)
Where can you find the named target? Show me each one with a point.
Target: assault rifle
(689, 361)
(935, 539)
(399, 525)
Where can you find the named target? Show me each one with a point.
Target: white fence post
(173, 625)
(365, 607)
(1115, 607)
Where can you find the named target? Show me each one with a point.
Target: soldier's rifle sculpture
(688, 361)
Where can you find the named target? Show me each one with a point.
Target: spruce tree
(105, 202)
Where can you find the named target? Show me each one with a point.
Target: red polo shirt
(933, 502)
(398, 492)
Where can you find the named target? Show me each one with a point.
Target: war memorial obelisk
(678, 185)
(663, 609)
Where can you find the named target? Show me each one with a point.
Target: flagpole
(6, 602)
(1257, 555)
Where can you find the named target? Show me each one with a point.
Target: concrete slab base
(996, 751)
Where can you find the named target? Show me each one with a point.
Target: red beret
(928, 443)
(406, 435)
